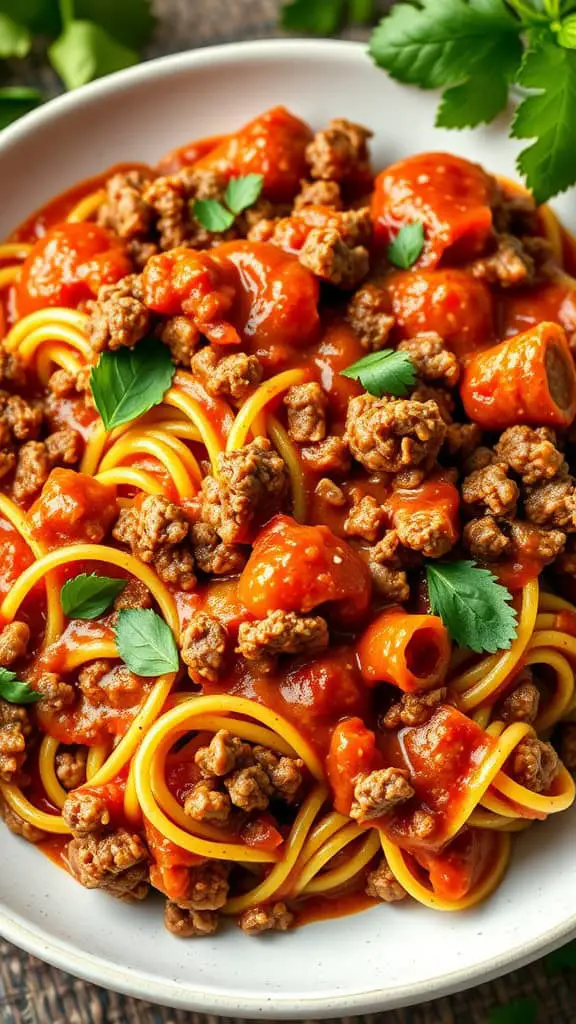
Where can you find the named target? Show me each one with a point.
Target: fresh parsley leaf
(405, 249)
(566, 34)
(548, 117)
(384, 373)
(88, 596)
(15, 691)
(15, 101)
(243, 192)
(130, 22)
(85, 51)
(145, 642)
(316, 17)
(476, 101)
(472, 604)
(128, 382)
(212, 215)
(15, 38)
(520, 1011)
(563, 959)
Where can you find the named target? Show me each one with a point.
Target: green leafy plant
(129, 381)
(15, 691)
(405, 249)
(145, 642)
(324, 17)
(473, 606)
(239, 195)
(82, 40)
(87, 596)
(384, 373)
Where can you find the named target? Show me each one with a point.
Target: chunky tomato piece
(296, 568)
(72, 508)
(170, 868)
(450, 196)
(261, 833)
(352, 752)
(240, 291)
(522, 308)
(273, 145)
(450, 303)
(68, 265)
(454, 871)
(408, 651)
(15, 556)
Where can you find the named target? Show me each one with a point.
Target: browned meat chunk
(175, 566)
(568, 745)
(173, 197)
(429, 531)
(71, 767)
(32, 470)
(523, 701)
(535, 541)
(530, 453)
(249, 788)
(432, 360)
(330, 493)
(182, 337)
(479, 459)
(329, 456)
(485, 540)
(12, 370)
(207, 887)
(514, 213)
(391, 584)
(125, 210)
(535, 764)
(90, 679)
(340, 151)
(265, 918)
(387, 435)
(204, 643)
(252, 485)
(414, 708)
(369, 315)
(509, 265)
(19, 826)
(306, 405)
(491, 489)
(85, 813)
(318, 193)
(224, 753)
(285, 773)
(233, 376)
(20, 420)
(15, 730)
(552, 504)
(56, 694)
(365, 519)
(64, 447)
(462, 439)
(379, 792)
(134, 595)
(14, 640)
(207, 802)
(330, 258)
(118, 318)
(116, 863)
(212, 555)
(187, 924)
(157, 532)
(282, 633)
(381, 884)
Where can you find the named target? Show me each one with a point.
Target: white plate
(388, 956)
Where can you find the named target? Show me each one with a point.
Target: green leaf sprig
(239, 195)
(15, 691)
(475, 50)
(473, 605)
(145, 642)
(384, 373)
(88, 596)
(405, 248)
(129, 381)
(325, 17)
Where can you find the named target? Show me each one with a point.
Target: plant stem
(527, 14)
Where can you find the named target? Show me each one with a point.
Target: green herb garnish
(405, 249)
(145, 642)
(240, 194)
(384, 373)
(15, 691)
(130, 381)
(88, 596)
(472, 604)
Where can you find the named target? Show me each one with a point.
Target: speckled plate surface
(388, 956)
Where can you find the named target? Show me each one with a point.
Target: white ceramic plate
(388, 956)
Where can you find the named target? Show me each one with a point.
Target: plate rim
(138, 984)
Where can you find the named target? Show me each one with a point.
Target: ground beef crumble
(15, 732)
(535, 764)
(264, 918)
(387, 435)
(252, 484)
(204, 642)
(186, 924)
(281, 633)
(116, 863)
(306, 407)
(381, 884)
(339, 152)
(368, 313)
(379, 792)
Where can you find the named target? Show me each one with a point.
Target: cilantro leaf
(243, 192)
(15, 691)
(85, 51)
(212, 215)
(561, 959)
(145, 642)
(519, 1011)
(15, 39)
(129, 381)
(130, 22)
(478, 100)
(405, 249)
(88, 596)
(446, 42)
(548, 117)
(317, 17)
(15, 101)
(383, 373)
(472, 604)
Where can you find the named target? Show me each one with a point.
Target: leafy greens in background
(475, 51)
(82, 39)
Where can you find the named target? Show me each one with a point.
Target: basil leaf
(128, 382)
(88, 596)
(145, 642)
(472, 604)
(243, 192)
(15, 691)
(405, 249)
(212, 215)
(384, 372)
(15, 39)
(85, 51)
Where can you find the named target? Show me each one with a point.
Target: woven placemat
(31, 992)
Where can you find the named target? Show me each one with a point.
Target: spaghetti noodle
(232, 686)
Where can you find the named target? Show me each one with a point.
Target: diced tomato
(352, 752)
(170, 870)
(72, 508)
(15, 556)
(261, 833)
(454, 870)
